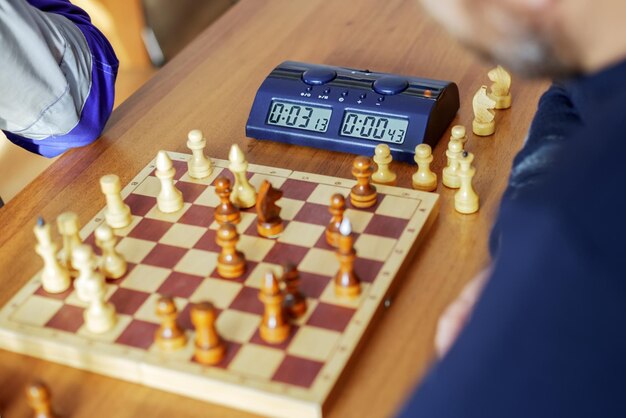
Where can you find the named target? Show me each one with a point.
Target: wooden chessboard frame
(167, 372)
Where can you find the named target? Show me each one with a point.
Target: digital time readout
(374, 127)
(299, 116)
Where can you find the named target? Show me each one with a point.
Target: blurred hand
(456, 315)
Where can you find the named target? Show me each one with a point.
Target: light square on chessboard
(208, 198)
(328, 296)
(135, 250)
(257, 179)
(323, 192)
(314, 343)
(205, 181)
(219, 292)
(257, 340)
(237, 326)
(151, 186)
(197, 262)
(155, 213)
(302, 234)
(289, 208)
(256, 276)
(358, 219)
(320, 262)
(254, 248)
(36, 310)
(73, 299)
(181, 235)
(121, 323)
(147, 311)
(397, 207)
(256, 360)
(374, 247)
(145, 278)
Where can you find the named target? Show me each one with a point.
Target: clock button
(390, 85)
(318, 76)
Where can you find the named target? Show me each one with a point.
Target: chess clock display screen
(374, 127)
(299, 116)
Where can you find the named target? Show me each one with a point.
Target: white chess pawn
(458, 132)
(170, 199)
(424, 178)
(68, 226)
(243, 194)
(466, 200)
(100, 315)
(117, 213)
(450, 176)
(55, 278)
(382, 158)
(85, 261)
(112, 264)
(198, 166)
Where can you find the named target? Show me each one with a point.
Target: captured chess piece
(274, 328)
(363, 194)
(484, 123)
(112, 263)
(55, 277)
(209, 347)
(347, 284)
(424, 179)
(69, 227)
(382, 158)
(337, 208)
(466, 200)
(230, 262)
(40, 400)
(117, 213)
(295, 302)
(225, 212)
(100, 315)
(86, 264)
(269, 223)
(170, 199)
(243, 194)
(501, 87)
(458, 132)
(170, 336)
(198, 166)
(450, 176)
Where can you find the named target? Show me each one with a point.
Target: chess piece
(363, 194)
(198, 166)
(230, 262)
(39, 399)
(100, 315)
(117, 213)
(170, 335)
(450, 177)
(112, 264)
(337, 208)
(501, 87)
(484, 123)
(243, 194)
(458, 132)
(382, 158)
(347, 284)
(170, 199)
(225, 212)
(274, 328)
(466, 200)
(424, 178)
(209, 347)
(86, 264)
(55, 277)
(295, 302)
(269, 223)
(68, 226)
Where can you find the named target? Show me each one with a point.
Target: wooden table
(211, 86)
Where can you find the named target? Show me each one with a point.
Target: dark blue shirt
(547, 338)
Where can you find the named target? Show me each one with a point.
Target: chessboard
(176, 255)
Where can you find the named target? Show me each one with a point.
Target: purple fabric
(99, 103)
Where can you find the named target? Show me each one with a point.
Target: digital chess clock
(343, 109)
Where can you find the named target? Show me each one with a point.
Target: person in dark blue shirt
(541, 334)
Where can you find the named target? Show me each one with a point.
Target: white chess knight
(170, 199)
(198, 166)
(243, 194)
